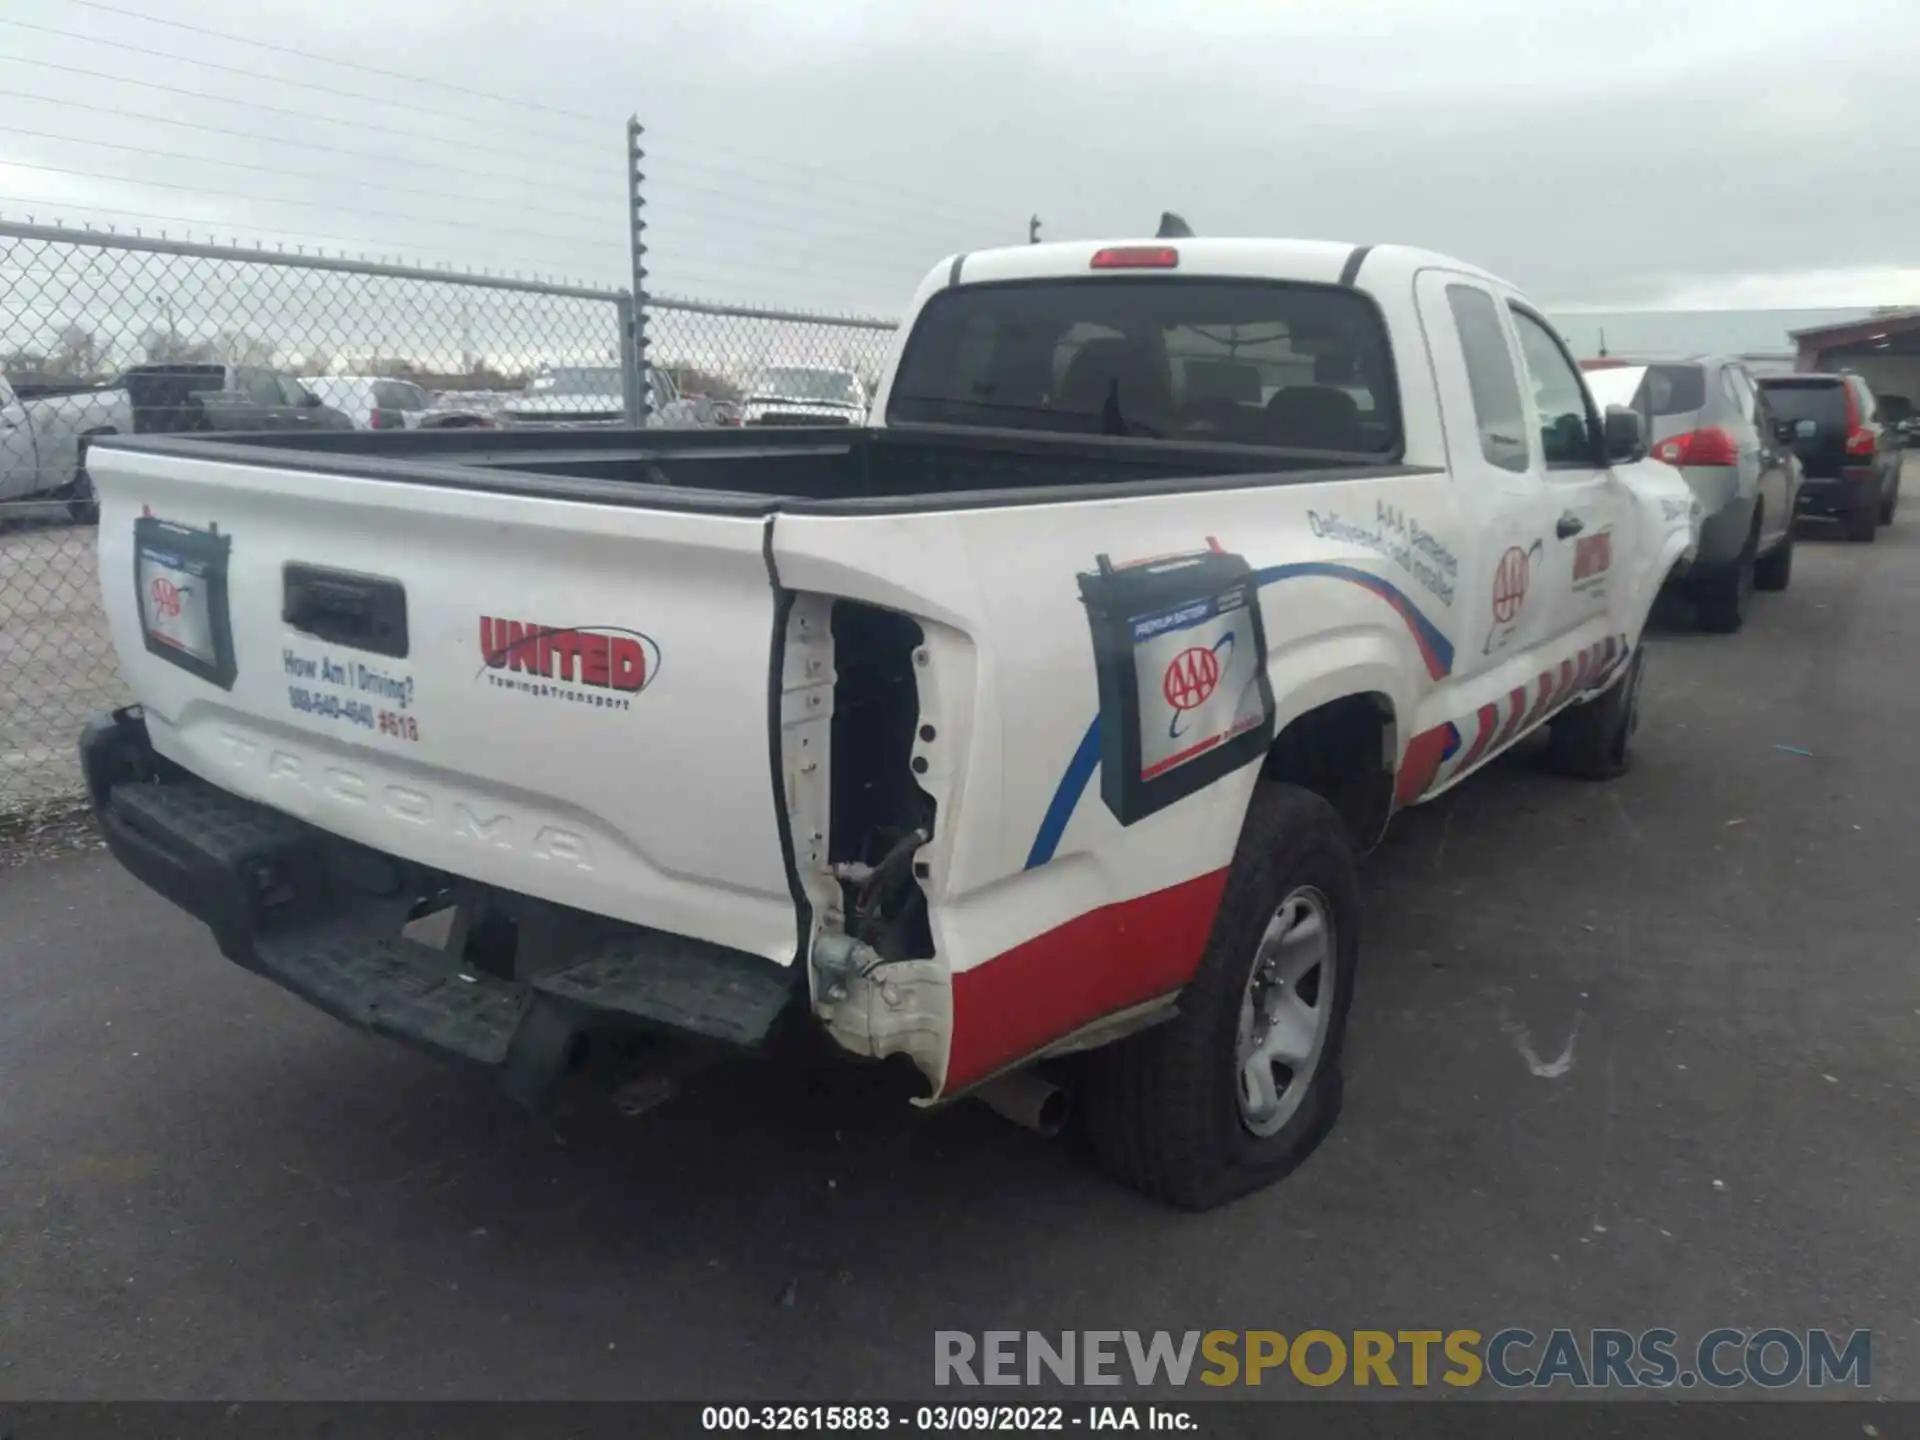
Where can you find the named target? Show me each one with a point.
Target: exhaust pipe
(1027, 1100)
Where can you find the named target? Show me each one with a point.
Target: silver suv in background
(1706, 416)
(372, 402)
(805, 395)
(577, 396)
(383, 402)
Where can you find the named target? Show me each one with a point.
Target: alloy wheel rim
(1286, 1012)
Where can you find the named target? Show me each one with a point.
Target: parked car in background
(804, 395)
(380, 402)
(577, 395)
(1851, 460)
(482, 405)
(1706, 416)
(44, 430)
(195, 398)
(1897, 412)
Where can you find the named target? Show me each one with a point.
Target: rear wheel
(1863, 521)
(1244, 1083)
(1774, 570)
(83, 506)
(1891, 501)
(1720, 600)
(1592, 740)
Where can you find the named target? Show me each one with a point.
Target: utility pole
(634, 350)
(1033, 231)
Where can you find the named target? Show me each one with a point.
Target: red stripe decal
(1424, 754)
(1489, 718)
(1158, 766)
(1517, 703)
(1094, 964)
(1540, 705)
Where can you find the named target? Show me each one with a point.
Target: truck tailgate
(559, 698)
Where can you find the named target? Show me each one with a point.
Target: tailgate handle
(361, 612)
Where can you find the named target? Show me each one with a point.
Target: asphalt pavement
(1641, 1054)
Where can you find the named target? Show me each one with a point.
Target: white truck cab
(1046, 713)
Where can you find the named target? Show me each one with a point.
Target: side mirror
(309, 399)
(1625, 435)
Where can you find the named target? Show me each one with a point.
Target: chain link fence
(744, 358)
(106, 333)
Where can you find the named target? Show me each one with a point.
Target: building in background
(1882, 348)
(1747, 333)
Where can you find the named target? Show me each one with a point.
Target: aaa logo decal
(166, 597)
(1510, 584)
(1192, 677)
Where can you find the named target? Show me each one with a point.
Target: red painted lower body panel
(1105, 960)
(1421, 762)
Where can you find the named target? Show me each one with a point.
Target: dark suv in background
(169, 399)
(1851, 459)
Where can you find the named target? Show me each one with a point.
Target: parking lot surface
(1645, 1054)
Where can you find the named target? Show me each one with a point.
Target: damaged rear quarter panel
(1047, 910)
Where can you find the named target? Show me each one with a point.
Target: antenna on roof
(1172, 227)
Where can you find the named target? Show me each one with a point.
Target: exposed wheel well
(80, 452)
(1343, 751)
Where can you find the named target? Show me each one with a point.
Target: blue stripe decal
(1435, 649)
(1066, 798)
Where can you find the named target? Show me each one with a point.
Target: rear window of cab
(1250, 362)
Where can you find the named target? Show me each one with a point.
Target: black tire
(1593, 740)
(1890, 502)
(1863, 521)
(83, 506)
(1774, 570)
(1720, 599)
(1163, 1108)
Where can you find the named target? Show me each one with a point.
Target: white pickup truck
(1045, 715)
(44, 434)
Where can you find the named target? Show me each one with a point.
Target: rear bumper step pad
(322, 918)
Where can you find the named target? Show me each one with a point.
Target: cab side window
(1497, 412)
(1559, 397)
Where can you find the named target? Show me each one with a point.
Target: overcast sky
(824, 153)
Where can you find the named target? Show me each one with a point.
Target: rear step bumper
(322, 917)
(1837, 494)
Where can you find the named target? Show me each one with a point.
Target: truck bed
(757, 472)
